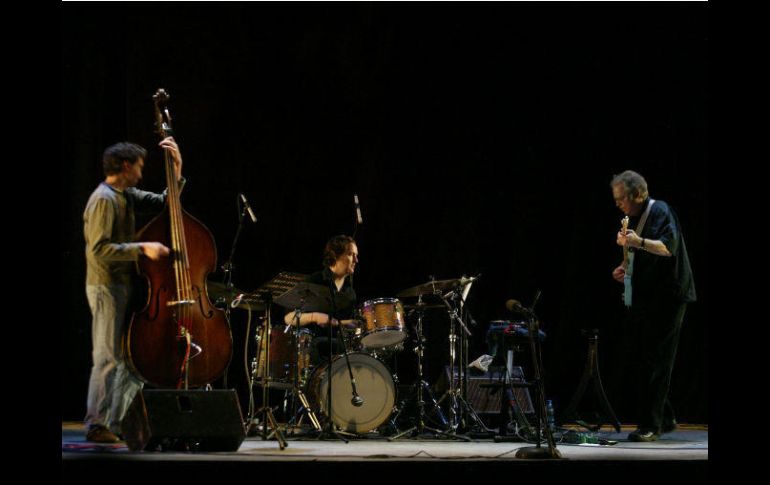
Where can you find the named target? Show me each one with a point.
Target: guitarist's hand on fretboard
(626, 268)
(628, 240)
(619, 273)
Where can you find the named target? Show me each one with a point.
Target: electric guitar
(628, 265)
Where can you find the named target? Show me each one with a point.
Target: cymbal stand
(268, 420)
(458, 406)
(296, 392)
(422, 386)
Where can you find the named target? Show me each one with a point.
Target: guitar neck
(624, 228)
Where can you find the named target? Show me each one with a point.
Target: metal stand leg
(268, 420)
(298, 410)
(458, 406)
(591, 373)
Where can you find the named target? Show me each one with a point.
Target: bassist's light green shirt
(109, 227)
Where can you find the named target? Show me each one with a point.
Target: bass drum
(374, 384)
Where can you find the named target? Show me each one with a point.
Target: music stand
(299, 298)
(267, 293)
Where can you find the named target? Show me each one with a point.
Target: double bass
(179, 339)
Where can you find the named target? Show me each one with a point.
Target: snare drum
(383, 323)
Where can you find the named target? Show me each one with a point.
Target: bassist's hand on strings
(169, 144)
(154, 250)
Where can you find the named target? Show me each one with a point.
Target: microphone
(357, 401)
(359, 219)
(248, 208)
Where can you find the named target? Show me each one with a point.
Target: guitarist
(656, 295)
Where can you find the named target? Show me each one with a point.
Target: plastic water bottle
(549, 417)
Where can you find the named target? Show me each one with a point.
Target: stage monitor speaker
(484, 396)
(189, 420)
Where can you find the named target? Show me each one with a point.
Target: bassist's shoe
(98, 433)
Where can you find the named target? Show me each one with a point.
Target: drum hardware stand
(421, 387)
(296, 391)
(268, 420)
(536, 451)
(458, 405)
(265, 295)
(591, 372)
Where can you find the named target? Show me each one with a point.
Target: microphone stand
(227, 269)
(536, 451)
(356, 400)
(330, 424)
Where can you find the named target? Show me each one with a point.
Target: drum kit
(353, 392)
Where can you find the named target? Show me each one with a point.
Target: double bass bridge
(179, 303)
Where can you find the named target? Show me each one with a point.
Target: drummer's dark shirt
(345, 303)
(344, 299)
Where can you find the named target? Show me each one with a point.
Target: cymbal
(434, 287)
(425, 306)
(216, 289)
(310, 297)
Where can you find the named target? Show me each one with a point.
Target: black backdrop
(479, 138)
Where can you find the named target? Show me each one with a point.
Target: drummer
(339, 260)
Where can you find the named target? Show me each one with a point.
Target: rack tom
(382, 323)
